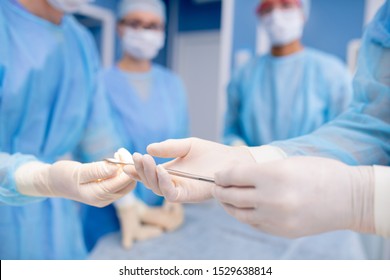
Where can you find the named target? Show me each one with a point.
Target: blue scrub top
(276, 98)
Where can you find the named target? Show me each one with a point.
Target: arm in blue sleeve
(10, 163)
(361, 135)
(100, 138)
(184, 124)
(340, 94)
(8, 191)
(232, 129)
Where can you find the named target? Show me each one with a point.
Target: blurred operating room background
(206, 41)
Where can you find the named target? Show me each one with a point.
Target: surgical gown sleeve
(382, 200)
(183, 122)
(340, 90)
(361, 135)
(232, 129)
(8, 191)
(10, 163)
(100, 139)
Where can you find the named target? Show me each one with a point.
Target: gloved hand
(97, 184)
(169, 217)
(131, 225)
(129, 209)
(140, 222)
(299, 196)
(193, 155)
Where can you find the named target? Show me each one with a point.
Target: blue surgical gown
(276, 98)
(361, 135)
(141, 119)
(51, 105)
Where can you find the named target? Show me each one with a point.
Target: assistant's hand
(192, 155)
(97, 184)
(299, 196)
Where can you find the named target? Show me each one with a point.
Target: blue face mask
(68, 6)
(283, 26)
(142, 44)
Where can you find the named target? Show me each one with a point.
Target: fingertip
(128, 170)
(125, 155)
(131, 172)
(215, 191)
(151, 148)
(148, 158)
(220, 177)
(161, 170)
(137, 157)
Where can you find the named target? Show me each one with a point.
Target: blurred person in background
(52, 106)
(289, 92)
(149, 104)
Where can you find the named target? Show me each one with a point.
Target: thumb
(173, 148)
(131, 172)
(236, 175)
(91, 172)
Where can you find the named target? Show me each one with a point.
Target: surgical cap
(305, 7)
(156, 7)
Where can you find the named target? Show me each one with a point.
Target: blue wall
(332, 24)
(198, 17)
(244, 26)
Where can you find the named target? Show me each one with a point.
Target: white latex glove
(97, 184)
(299, 196)
(131, 225)
(168, 217)
(140, 222)
(194, 156)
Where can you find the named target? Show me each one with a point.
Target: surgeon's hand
(192, 155)
(97, 184)
(299, 196)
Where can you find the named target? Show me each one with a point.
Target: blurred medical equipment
(107, 44)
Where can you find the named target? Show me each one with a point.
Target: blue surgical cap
(305, 7)
(156, 7)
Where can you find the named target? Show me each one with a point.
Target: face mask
(142, 44)
(68, 6)
(283, 26)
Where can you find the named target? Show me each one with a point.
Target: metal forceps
(170, 171)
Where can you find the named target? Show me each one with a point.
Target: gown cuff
(382, 200)
(267, 153)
